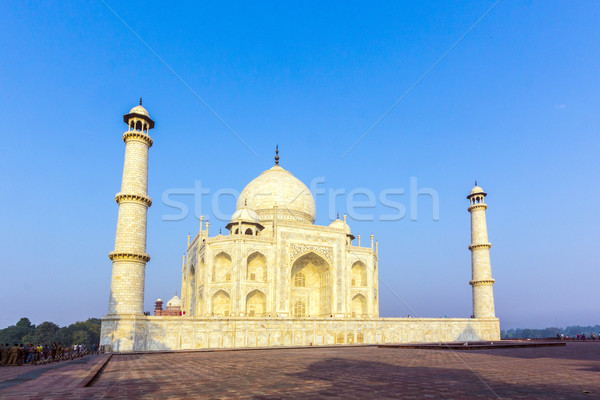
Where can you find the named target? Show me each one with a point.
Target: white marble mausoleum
(275, 278)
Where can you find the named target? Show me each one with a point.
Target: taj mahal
(275, 278)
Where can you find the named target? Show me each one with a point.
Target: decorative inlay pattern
(299, 249)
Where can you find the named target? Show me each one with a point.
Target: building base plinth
(148, 333)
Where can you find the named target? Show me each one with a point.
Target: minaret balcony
(476, 246)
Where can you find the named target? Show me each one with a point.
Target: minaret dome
(138, 119)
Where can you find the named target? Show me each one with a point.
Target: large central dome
(278, 187)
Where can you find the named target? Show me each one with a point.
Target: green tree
(18, 332)
(10, 335)
(44, 332)
(81, 332)
(81, 337)
(63, 336)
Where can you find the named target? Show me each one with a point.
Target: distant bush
(549, 332)
(81, 332)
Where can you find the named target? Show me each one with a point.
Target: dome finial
(140, 101)
(338, 215)
(475, 182)
(277, 155)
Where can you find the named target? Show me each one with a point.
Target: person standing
(13, 355)
(53, 350)
(5, 354)
(21, 356)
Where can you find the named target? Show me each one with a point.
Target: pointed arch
(199, 308)
(221, 304)
(191, 291)
(359, 306)
(256, 304)
(221, 268)
(358, 274)
(256, 267)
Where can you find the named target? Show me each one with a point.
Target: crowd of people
(580, 336)
(29, 354)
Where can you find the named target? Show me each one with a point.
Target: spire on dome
(140, 101)
(277, 155)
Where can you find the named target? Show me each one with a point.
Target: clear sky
(515, 104)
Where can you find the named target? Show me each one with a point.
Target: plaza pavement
(570, 372)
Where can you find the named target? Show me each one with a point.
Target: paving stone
(570, 372)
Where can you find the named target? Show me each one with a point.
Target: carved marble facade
(288, 268)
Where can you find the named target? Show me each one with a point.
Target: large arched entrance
(311, 287)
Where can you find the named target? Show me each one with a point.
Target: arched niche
(359, 306)
(256, 304)
(221, 268)
(256, 267)
(221, 304)
(358, 274)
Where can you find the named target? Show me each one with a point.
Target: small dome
(476, 190)
(140, 113)
(159, 299)
(174, 302)
(139, 110)
(245, 214)
(278, 187)
(339, 224)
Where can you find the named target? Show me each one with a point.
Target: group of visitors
(33, 355)
(580, 336)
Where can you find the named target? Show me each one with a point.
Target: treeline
(549, 332)
(25, 332)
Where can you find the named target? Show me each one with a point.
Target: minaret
(483, 294)
(129, 256)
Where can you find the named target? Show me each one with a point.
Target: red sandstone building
(173, 307)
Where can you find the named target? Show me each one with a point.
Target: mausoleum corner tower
(129, 257)
(481, 269)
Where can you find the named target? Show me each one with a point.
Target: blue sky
(514, 105)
